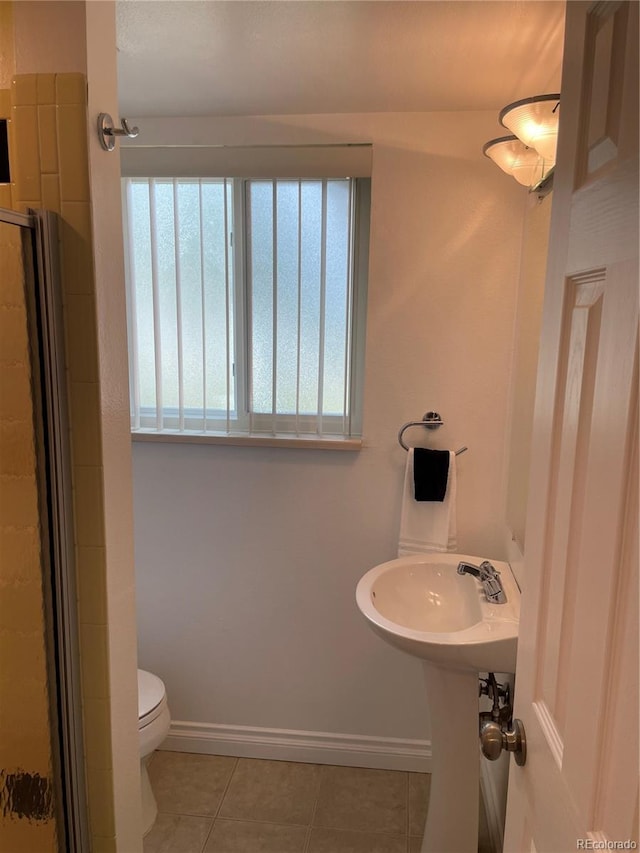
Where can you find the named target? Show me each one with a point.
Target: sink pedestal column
(452, 820)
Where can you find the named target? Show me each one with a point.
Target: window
(246, 305)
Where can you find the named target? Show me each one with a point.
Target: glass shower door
(41, 763)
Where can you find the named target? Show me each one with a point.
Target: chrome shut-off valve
(494, 738)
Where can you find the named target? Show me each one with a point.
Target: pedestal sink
(421, 605)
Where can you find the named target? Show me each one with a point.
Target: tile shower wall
(48, 150)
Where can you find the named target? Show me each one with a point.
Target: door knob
(494, 739)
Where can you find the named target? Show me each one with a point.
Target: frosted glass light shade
(535, 121)
(516, 159)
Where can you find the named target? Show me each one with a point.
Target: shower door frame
(43, 293)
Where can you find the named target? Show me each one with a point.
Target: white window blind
(246, 305)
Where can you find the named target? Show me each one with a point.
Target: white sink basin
(420, 604)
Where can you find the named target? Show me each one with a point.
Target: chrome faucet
(488, 577)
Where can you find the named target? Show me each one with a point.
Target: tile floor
(218, 804)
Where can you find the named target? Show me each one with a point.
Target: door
(42, 787)
(577, 671)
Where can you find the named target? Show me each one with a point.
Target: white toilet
(153, 727)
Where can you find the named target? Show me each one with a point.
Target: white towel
(427, 525)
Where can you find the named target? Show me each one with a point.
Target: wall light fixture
(529, 153)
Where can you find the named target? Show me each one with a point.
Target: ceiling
(278, 57)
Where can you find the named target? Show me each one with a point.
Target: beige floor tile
(343, 841)
(419, 786)
(174, 833)
(276, 791)
(185, 783)
(236, 836)
(362, 800)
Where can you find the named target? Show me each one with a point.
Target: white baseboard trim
(492, 806)
(384, 753)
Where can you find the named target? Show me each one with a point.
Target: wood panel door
(577, 671)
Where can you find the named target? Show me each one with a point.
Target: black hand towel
(430, 474)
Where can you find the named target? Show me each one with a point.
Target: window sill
(308, 443)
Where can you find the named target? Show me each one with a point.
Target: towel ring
(431, 420)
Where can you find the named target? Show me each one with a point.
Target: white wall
(114, 412)
(50, 36)
(525, 362)
(247, 558)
